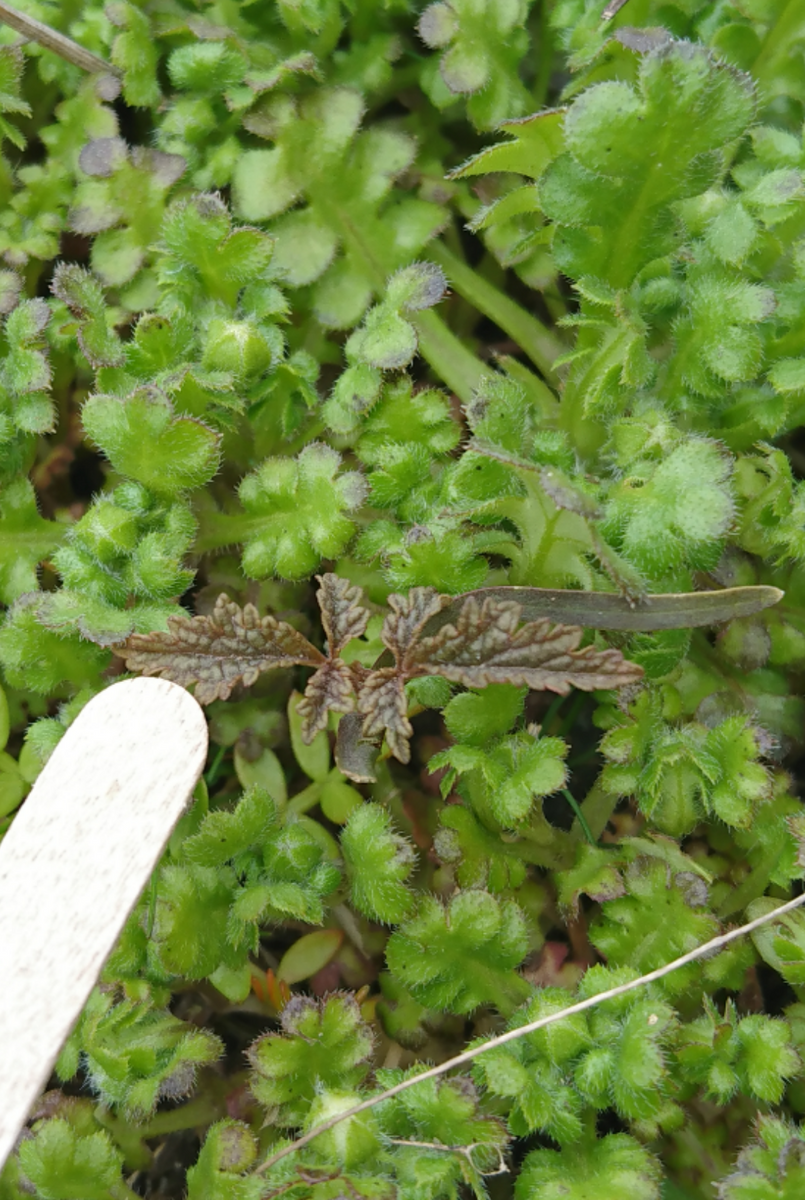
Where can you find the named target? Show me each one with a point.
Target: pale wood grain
(74, 862)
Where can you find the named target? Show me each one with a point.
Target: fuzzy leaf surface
(486, 645)
(331, 688)
(233, 645)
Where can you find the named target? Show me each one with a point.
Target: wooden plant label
(75, 861)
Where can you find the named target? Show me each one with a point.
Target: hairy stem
(219, 529)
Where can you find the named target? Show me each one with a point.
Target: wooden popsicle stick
(74, 862)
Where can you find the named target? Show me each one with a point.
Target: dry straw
(703, 951)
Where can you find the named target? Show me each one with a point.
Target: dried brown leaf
(331, 689)
(232, 645)
(354, 756)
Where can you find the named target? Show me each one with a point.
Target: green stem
(550, 537)
(598, 806)
(542, 82)
(553, 709)
(215, 768)
(130, 1139)
(541, 345)
(587, 433)
(569, 718)
(544, 845)
(304, 800)
(779, 40)
(219, 529)
(512, 995)
(580, 817)
(529, 515)
(753, 886)
(455, 365)
(555, 302)
(198, 1113)
(314, 430)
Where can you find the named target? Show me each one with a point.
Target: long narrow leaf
(607, 610)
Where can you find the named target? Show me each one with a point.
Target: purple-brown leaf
(382, 697)
(342, 613)
(486, 646)
(485, 643)
(331, 689)
(408, 617)
(231, 646)
(383, 702)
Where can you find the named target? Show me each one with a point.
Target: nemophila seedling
(484, 644)
(420, 387)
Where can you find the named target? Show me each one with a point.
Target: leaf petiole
(582, 820)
